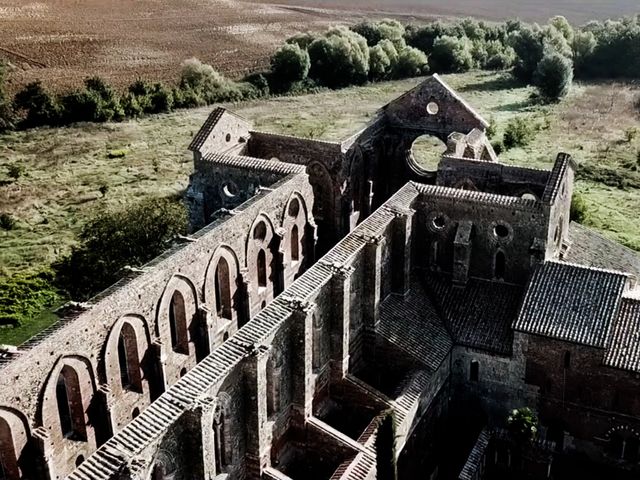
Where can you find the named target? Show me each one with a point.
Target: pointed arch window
(499, 266)
(70, 407)
(223, 290)
(295, 244)
(129, 360)
(9, 469)
(178, 324)
(262, 269)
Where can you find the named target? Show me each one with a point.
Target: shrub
(411, 63)
(518, 133)
(7, 222)
(578, 212)
(492, 129)
(451, 54)
(6, 112)
(98, 102)
(562, 25)
(582, 47)
(379, 63)
(115, 239)
(22, 297)
(40, 107)
(523, 425)
(554, 76)
(187, 98)
(387, 29)
(203, 79)
(499, 56)
(289, 64)
(339, 58)
(630, 134)
(529, 49)
(260, 82)
(131, 106)
(303, 40)
(498, 146)
(160, 99)
(15, 171)
(423, 37)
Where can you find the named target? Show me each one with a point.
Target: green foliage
(387, 29)
(492, 130)
(25, 296)
(630, 134)
(379, 63)
(451, 54)
(116, 239)
(523, 425)
(499, 56)
(7, 222)
(578, 212)
(339, 58)
(518, 133)
(15, 171)
(289, 64)
(260, 82)
(528, 45)
(386, 464)
(554, 76)
(7, 120)
(582, 47)
(98, 102)
(119, 153)
(38, 106)
(411, 63)
(498, 146)
(303, 40)
(562, 25)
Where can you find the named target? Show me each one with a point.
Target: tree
(554, 76)
(387, 29)
(303, 40)
(582, 46)
(561, 24)
(40, 106)
(6, 112)
(118, 238)
(529, 48)
(289, 64)
(339, 58)
(523, 426)
(411, 63)
(451, 54)
(379, 63)
(518, 133)
(98, 102)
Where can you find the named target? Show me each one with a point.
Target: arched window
(474, 371)
(8, 459)
(219, 441)
(262, 269)
(178, 324)
(295, 244)
(499, 266)
(223, 290)
(70, 407)
(129, 360)
(567, 359)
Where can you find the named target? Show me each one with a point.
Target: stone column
(159, 360)
(372, 281)
(209, 326)
(302, 368)
(401, 254)
(207, 408)
(340, 321)
(42, 445)
(258, 440)
(247, 295)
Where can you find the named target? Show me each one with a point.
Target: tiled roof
(240, 161)
(623, 350)
(209, 124)
(555, 179)
(571, 303)
(411, 323)
(479, 314)
(592, 249)
(476, 457)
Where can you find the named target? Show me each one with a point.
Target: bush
(379, 63)
(303, 40)
(339, 58)
(289, 64)
(554, 76)
(582, 47)
(203, 79)
(529, 49)
(39, 106)
(522, 425)
(387, 29)
(499, 56)
(98, 102)
(411, 63)
(451, 54)
(423, 37)
(6, 112)
(115, 239)
(7, 222)
(260, 82)
(498, 146)
(160, 99)
(578, 211)
(15, 171)
(518, 133)
(24, 296)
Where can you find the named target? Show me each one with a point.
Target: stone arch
(295, 223)
(424, 153)
(358, 177)
(185, 341)
(324, 207)
(222, 285)
(164, 465)
(90, 420)
(264, 263)
(14, 439)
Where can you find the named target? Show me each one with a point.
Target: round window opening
(529, 196)
(228, 137)
(439, 222)
(501, 231)
(230, 189)
(433, 108)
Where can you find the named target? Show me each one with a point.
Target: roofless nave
(329, 288)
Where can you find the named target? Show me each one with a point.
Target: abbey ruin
(339, 313)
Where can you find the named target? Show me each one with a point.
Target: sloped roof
(623, 350)
(479, 314)
(571, 303)
(210, 123)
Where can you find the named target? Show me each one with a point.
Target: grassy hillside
(69, 173)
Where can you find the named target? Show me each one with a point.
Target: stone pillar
(340, 321)
(160, 360)
(311, 239)
(209, 326)
(302, 368)
(42, 445)
(258, 440)
(401, 254)
(372, 281)
(207, 407)
(101, 417)
(279, 256)
(247, 295)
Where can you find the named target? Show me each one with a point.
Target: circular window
(228, 137)
(439, 222)
(260, 232)
(230, 189)
(294, 208)
(501, 231)
(529, 196)
(433, 108)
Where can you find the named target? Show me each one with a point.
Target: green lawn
(68, 169)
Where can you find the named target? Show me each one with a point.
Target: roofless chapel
(341, 311)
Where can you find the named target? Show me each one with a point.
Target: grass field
(69, 175)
